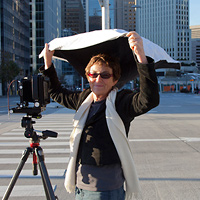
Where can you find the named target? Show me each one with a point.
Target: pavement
(165, 144)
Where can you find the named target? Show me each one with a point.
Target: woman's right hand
(136, 44)
(47, 56)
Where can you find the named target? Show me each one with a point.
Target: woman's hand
(47, 57)
(136, 44)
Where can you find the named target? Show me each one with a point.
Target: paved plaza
(165, 143)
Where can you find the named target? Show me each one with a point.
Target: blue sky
(194, 12)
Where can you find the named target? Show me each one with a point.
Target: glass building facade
(45, 25)
(14, 36)
(166, 23)
(14, 16)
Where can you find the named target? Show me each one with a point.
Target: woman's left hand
(136, 44)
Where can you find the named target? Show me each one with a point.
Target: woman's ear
(115, 82)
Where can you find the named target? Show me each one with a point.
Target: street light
(105, 14)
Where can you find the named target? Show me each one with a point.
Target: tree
(8, 69)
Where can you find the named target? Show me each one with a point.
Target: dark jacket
(96, 146)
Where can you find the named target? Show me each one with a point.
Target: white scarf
(118, 135)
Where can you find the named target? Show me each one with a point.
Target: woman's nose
(98, 78)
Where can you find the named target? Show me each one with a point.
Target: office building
(14, 33)
(125, 15)
(45, 25)
(195, 32)
(166, 23)
(73, 16)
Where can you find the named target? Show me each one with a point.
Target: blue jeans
(118, 194)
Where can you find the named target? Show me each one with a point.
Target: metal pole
(136, 27)
(105, 14)
(87, 30)
(87, 15)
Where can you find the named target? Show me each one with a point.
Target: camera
(34, 95)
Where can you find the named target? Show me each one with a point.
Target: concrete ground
(166, 147)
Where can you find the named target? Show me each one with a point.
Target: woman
(100, 160)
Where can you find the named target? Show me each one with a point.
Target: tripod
(38, 155)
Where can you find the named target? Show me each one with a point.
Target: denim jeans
(118, 194)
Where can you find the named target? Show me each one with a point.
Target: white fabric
(92, 38)
(118, 135)
(87, 39)
(79, 122)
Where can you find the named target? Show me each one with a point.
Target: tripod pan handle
(49, 133)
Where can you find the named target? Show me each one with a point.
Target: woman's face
(101, 86)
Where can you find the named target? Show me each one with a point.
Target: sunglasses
(104, 75)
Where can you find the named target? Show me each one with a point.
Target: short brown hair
(109, 61)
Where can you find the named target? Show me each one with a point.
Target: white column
(105, 14)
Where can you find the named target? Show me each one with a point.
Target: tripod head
(27, 123)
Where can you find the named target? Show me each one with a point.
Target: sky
(194, 12)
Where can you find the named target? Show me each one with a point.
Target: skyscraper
(45, 25)
(195, 30)
(166, 23)
(14, 32)
(125, 15)
(73, 15)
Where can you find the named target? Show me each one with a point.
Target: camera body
(33, 90)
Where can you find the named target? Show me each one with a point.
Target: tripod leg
(44, 174)
(17, 173)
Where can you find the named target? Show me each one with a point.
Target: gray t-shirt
(99, 178)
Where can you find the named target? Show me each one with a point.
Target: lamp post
(105, 14)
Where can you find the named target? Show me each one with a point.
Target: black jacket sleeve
(61, 95)
(130, 104)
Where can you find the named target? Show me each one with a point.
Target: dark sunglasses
(104, 75)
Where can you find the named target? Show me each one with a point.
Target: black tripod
(38, 155)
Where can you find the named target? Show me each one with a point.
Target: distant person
(101, 161)
(197, 90)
